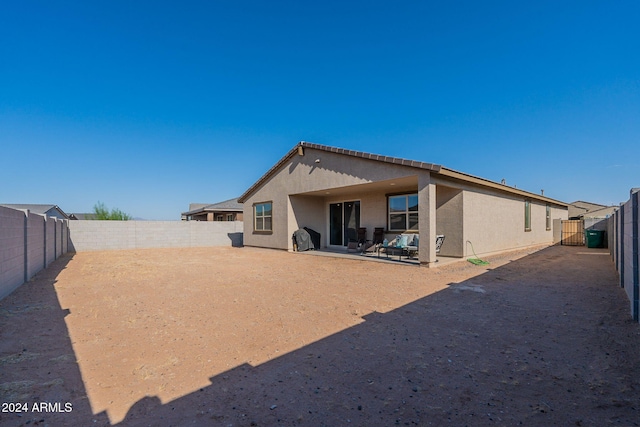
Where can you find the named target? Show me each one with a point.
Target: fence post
(26, 249)
(634, 243)
(614, 239)
(619, 230)
(622, 246)
(44, 246)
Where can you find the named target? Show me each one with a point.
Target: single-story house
(582, 210)
(49, 210)
(228, 210)
(82, 216)
(336, 192)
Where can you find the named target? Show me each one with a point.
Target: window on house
(548, 217)
(527, 215)
(262, 216)
(403, 212)
(218, 217)
(229, 217)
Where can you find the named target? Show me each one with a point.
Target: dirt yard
(250, 337)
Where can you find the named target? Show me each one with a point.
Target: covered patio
(394, 259)
(374, 211)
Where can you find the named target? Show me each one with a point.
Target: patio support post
(427, 220)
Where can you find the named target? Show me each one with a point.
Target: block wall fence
(114, 235)
(624, 240)
(30, 242)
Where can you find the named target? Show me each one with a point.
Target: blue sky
(148, 106)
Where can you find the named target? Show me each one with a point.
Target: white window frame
(259, 214)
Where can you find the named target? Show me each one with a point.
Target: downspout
(635, 225)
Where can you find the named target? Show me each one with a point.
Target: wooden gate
(573, 232)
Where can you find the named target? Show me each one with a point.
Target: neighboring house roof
(581, 209)
(50, 210)
(231, 205)
(587, 205)
(600, 213)
(433, 168)
(194, 206)
(82, 216)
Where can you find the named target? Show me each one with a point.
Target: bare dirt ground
(250, 337)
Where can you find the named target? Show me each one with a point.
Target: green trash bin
(594, 238)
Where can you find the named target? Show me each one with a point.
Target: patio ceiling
(396, 185)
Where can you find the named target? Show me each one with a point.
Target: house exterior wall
(373, 211)
(301, 174)
(302, 187)
(212, 216)
(449, 220)
(54, 213)
(306, 211)
(495, 222)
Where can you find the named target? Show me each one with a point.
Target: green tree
(103, 213)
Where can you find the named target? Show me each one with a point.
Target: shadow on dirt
(36, 389)
(517, 345)
(543, 340)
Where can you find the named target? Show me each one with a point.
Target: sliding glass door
(344, 221)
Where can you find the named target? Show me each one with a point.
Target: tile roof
(230, 205)
(360, 154)
(433, 168)
(35, 208)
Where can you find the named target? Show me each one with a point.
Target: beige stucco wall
(302, 175)
(306, 211)
(495, 222)
(449, 220)
(313, 212)
(373, 210)
(302, 189)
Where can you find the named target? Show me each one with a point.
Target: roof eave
(450, 173)
(360, 154)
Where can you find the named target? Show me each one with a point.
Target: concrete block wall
(624, 241)
(50, 240)
(12, 256)
(27, 245)
(35, 244)
(115, 235)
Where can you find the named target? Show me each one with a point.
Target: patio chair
(378, 235)
(362, 235)
(409, 244)
(412, 249)
(352, 240)
(439, 242)
(402, 244)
